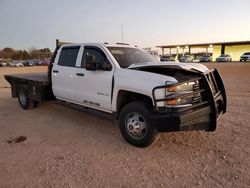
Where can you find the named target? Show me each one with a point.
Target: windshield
(126, 56)
(247, 53)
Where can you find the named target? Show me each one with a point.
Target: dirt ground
(68, 148)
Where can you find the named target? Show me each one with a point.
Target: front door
(94, 87)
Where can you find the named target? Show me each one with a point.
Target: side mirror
(106, 66)
(90, 63)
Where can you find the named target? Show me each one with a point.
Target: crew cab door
(94, 87)
(64, 73)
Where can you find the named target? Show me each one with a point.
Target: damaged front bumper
(202, 115)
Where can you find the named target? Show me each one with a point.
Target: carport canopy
(203, 45)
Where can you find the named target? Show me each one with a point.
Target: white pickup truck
(127, 83)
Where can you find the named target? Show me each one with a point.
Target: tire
(24, 100)
(136, 126)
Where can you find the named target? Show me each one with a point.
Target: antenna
(122, 32)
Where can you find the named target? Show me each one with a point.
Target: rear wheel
(136, 126)
(24, 100)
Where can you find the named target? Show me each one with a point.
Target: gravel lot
(67, 148)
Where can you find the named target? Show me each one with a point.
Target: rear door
(64, 73)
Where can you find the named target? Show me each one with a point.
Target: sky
(146, 23)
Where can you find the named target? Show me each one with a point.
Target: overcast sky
(37, 23)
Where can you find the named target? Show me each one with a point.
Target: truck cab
(83, 74)
(93, 74)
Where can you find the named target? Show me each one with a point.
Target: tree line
(32, 53)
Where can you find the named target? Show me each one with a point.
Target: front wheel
(24, 100)
(136, 126)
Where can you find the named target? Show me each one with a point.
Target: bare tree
(7, 53)
(34, 53)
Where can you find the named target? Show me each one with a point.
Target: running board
(90, 111)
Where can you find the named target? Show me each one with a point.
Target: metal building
(235, 49)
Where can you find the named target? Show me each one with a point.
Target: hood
(192, 67)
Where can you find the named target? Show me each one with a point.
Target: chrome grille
(196, 97)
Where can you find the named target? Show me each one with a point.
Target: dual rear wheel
(24, 100)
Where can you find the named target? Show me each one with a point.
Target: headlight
(180, 89)
(179, 101)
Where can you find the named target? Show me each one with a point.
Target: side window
(68, 56)
(99, 57)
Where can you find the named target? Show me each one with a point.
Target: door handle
(55, 71)
(79, 74)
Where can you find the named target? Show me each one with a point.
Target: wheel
(136, 126)
(24, 100)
